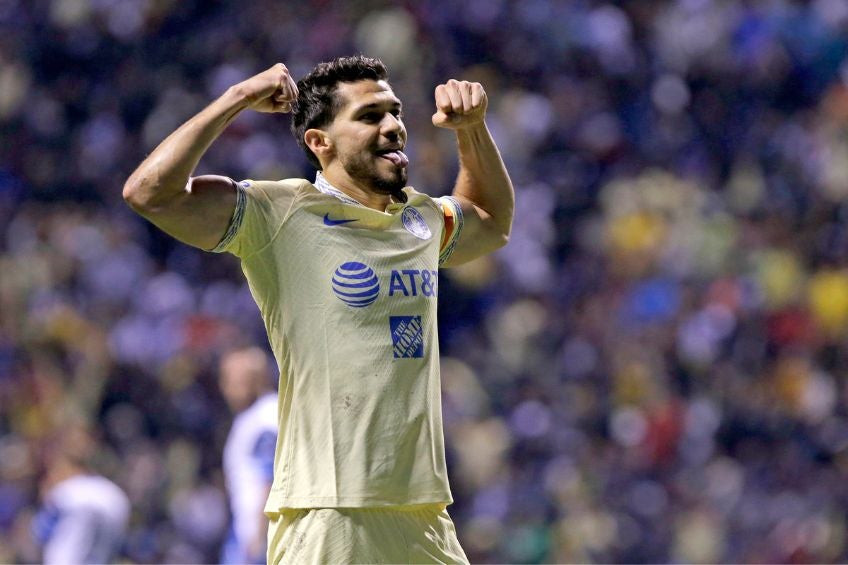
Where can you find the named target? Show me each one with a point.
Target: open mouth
(396, 156)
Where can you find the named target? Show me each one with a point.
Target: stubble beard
(364, 171)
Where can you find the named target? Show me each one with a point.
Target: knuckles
(463, 83)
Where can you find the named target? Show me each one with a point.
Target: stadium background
(653, 370)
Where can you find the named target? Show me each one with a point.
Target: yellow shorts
(422, 534)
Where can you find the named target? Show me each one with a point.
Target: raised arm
(197, 210)
(483, 187)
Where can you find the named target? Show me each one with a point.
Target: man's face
(369, 135)
(241, 376)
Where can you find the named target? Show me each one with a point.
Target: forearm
(483, 178)
(163, 175)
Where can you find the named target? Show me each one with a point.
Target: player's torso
(353, 324)
(87, 502)
(357, 276)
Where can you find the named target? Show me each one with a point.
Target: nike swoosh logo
(330, 222)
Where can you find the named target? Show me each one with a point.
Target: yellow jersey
(348, 297)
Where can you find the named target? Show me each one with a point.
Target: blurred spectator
(84, 516)
(245, 382)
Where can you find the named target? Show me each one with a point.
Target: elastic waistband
(428, 507)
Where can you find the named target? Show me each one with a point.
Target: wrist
(473, 131)
(236, 97)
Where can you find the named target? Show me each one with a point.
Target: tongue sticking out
(399, 158)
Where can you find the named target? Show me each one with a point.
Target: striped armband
(235, 221)
(453, 226)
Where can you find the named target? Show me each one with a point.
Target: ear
(319, 143)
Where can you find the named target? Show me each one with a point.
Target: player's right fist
(273, 90)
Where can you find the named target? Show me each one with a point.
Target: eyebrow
(378, 105)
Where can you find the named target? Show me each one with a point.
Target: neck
(339, 178)
(60, 470)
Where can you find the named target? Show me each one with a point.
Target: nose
(392, 126)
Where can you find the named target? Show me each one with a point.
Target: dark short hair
(317, 101)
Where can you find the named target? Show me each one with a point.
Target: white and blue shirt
(84, 520)
(249, 470)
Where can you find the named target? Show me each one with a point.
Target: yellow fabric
(356, 535)
(360, 396)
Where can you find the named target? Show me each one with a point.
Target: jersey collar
(324, 186)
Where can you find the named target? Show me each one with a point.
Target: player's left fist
(460, 104)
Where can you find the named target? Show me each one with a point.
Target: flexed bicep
(200, 215)
(197, 210)
(469, 234)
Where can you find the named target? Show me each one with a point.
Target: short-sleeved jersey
(348, 296)
(248, 469)
(84, 520)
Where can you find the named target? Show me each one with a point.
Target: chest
(354, 258)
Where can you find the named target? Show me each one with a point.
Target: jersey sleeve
(261, 208)
(263, 454)
(452, 213)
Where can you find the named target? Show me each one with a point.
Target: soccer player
(345, 272)
(84, 516)
(249, 452)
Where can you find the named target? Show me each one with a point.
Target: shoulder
(285, 188)
(268, 402)
(259, 414)
(265, 410)
(446, 207)
(420, 199)
(262, 206)
(89, 490)
(268, 408)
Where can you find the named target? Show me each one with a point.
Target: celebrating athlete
(345, 272)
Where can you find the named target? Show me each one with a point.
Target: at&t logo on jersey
(356, 284)
(412, 282)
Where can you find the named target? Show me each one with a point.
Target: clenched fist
(460, 104)
(273, 90)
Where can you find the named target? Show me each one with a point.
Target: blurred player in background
(345, 272)
(84, 516)
(249, 451)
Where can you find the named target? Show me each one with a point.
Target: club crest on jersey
(356, 284)
(414, 223)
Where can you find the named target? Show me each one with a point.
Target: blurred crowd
(654, 369)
